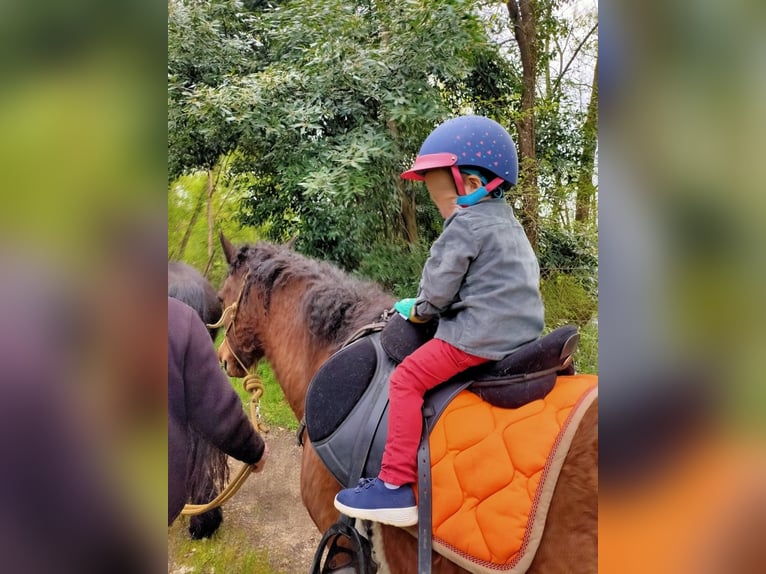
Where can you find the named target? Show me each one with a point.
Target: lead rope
(252, 383)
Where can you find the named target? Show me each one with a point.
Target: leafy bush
(567, 300)
(564, 251)
(586, 356)
(396, 267)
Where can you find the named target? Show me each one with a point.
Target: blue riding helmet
(464, 143)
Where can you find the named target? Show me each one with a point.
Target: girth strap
(424, 506)
(443, 395)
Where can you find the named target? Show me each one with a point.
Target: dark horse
(209, 469)
(297, 312)
(187, 284)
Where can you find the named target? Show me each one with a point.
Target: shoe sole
(394, 516)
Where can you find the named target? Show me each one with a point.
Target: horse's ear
(291, 242)
(229, 250)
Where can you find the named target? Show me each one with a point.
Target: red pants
(430, 365)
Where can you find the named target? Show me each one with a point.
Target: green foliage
(208, 42)
(307, 114)
(586, 356)
(569, 283)
(491, 89)
(558, 144)
(339, 100)
(187, 195)
(563, 251)
(396, 267)
(567, 301)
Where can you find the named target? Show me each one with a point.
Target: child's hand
(404, 307)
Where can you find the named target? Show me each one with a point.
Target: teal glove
(404, 307)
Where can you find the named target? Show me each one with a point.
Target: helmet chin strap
(476, 196)
(472, 198)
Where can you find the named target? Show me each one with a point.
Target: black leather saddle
(347, 400)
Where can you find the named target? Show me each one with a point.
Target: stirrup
(359, 555)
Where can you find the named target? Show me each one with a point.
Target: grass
(229, 551)
(571, 300)
(568, 300)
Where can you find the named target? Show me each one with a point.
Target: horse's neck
(294, 365)
(294, 354)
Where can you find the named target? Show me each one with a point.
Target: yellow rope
(256, 389)
(230, 310)
(254, 385)
(224, 496)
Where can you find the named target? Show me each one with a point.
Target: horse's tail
(208, 469)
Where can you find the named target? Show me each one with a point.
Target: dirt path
(268, 508)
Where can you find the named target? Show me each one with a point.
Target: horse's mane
(333, 303)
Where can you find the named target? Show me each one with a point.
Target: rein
(369, 328)
(252, 383)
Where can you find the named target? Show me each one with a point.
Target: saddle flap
(337, 387)
(346, 410)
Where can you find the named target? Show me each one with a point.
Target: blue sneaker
(371, 500)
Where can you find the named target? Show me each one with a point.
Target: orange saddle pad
(494, 471)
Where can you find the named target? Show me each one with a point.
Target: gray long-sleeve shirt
(482, 280)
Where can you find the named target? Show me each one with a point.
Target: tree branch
(574, 55)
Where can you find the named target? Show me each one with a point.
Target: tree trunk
(407, 197)
(586, 191)
(210, 222)
(522, 13)
(409, 213)
(179, 253)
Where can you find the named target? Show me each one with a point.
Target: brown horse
(296, 312)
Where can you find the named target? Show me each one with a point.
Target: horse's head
(241, 347)
(189, 286)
